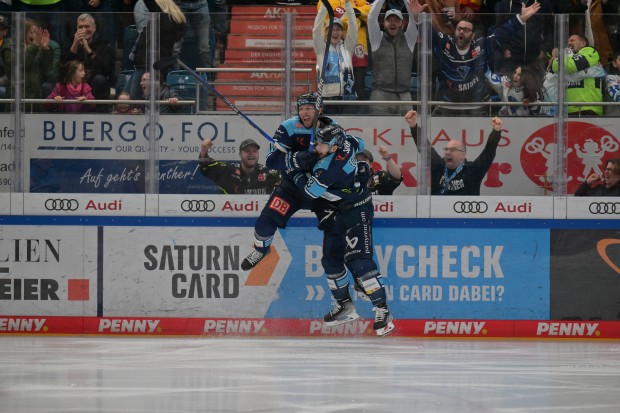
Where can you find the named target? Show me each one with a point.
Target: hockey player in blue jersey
(289, 154)
(335, 181)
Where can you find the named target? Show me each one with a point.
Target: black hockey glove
(363, 174)
(300, 161)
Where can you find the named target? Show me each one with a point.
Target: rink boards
(182, 276)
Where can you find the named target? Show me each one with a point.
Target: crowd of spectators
(380, 55)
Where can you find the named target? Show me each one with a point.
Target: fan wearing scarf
(454, 174)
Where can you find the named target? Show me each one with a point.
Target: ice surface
(137, 374)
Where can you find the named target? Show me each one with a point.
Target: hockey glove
(364, 173)
(300, 161)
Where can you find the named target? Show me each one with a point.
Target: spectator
(382, 182)
(97, 56)
(244, 177)
(124, 107)
(42, 58)
(339, 66)
(611, 14)
(470, 11)
(531, 45)
(612, 85)
(6, 50)
(164, 92)
(596, 29)
(140, 15)
(219, 21)
(101, 10)
(171, 30)
(392, 53)
(444, 14)
(550, 83)
(454, 174)
(582, 60)
(464, 60)
(607, 184)
(469, 8)
(49, 11)
(332, 181)
(525, 85)
(360, 58)
(197, 13)
(73, 87)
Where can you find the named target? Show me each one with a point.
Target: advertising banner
(497, 274)
(538, 207)
(189, 272)
(524, 164)
(593, 208)
(7, 145)
(48, 270)
(186, 280)
(585, 274)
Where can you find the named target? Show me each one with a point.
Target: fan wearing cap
(382, 182)
(392, 54)
(6, 47)
(244, 177)
(339, 81)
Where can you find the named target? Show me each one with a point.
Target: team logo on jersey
(279, 205)
(587, 148)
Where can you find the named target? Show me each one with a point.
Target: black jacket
(585, 189)
(468, 180)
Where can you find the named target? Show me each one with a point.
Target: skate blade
(351, 317)
(382, 332)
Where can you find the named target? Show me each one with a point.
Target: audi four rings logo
(61, 204)
(470, 207)
(605, 208)
(197, 205)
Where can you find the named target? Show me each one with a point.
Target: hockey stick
(171, 60)
(319, 87)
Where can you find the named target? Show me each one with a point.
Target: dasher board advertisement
(92, 145)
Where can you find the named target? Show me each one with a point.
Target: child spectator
(72, 86)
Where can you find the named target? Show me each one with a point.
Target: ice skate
(253, 259)
(341, 312)
(384, 322)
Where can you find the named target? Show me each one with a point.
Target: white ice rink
(127, 375)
